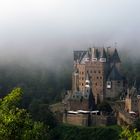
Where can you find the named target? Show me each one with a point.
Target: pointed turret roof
(94, 52)
(136, 84)
(91, 104)
(102, 53)
(115, 57)
(115, 74)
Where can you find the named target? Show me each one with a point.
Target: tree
(16, 123)
(128, 134)
(105, 106)
(137, 124)
(41, 112)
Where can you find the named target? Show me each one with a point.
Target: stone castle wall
(78, 105)
(76, 119)
(115, 90)
(88, 119)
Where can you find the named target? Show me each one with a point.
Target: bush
(68, 132)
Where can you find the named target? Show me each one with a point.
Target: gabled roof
(84, 57)
(110, 53)
(78, 55)
(115, 74)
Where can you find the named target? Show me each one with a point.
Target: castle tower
(102, 66)
(87, 84)
(131, 101)
(75, 80)
(115, 83)
(97, 69)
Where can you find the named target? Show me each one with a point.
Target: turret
(75, 80)
(87, 85)
(94, 54)
(102, 56)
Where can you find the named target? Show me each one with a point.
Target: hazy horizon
(43, 31)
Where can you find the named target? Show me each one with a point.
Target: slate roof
(78, 55)
(110, 53)
(115, 57)
(102, 53)
(115, 74)
(94, 52)
(85, 55)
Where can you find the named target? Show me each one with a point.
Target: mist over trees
(41, 83)
(47, 84)
(44, 85)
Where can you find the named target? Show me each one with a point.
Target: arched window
(109, 84)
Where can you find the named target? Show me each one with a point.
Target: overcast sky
(36, 28)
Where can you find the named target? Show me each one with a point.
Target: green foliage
(41, 112)
(37, 82)
(67, 132)
(137, 124)
(104, 106)
(128, 134)
(16, 123)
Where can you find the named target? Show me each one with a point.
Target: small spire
(115, 44)
(135, 84)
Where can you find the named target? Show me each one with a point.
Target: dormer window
(86, 59)
(94, 59)
(108, 84)
(102, 59)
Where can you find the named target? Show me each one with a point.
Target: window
(102, 59)
(95, 71)
(109, 84)
(100, 77)
(97, 77)
(94, 59)
(99, 71)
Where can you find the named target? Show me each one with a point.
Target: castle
(96, 76)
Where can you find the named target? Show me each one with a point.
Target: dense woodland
(43, 86)
(17, 123)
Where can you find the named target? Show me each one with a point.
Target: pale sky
(34, 27)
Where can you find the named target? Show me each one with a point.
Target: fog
(45, 32)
